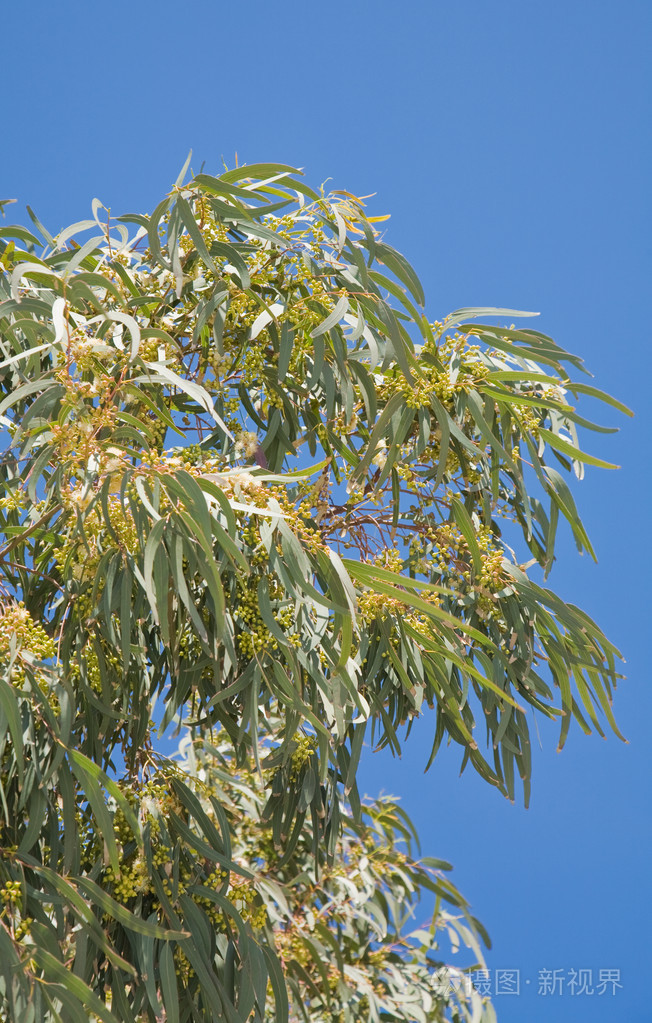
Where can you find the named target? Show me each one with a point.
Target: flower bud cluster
(11, 898)
(32, 644)
(16, 500)
(305, 750)
(16, 622)
(246, 900)
(11, 893)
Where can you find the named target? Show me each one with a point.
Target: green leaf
(600, 395)
(92, 770)
(399, 266)
(55, 971)
(333, 318)
(10, 709)
(467, 529)
(286, 349)
(87, 778)
(162, 374)
(258, 171)
(193, 230)
(557, 442)
(133, 923)
(169, 989)
(461, 315)
(394, 404)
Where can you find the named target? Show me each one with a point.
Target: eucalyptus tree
(253, 496)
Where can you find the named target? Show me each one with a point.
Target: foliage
(251, 491)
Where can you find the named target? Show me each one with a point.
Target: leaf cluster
(248, 488)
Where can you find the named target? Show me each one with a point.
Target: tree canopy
(253, 497)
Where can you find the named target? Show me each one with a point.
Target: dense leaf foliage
(249, 490)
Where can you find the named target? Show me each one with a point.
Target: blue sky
(510, 142)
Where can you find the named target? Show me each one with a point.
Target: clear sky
(511, 143)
